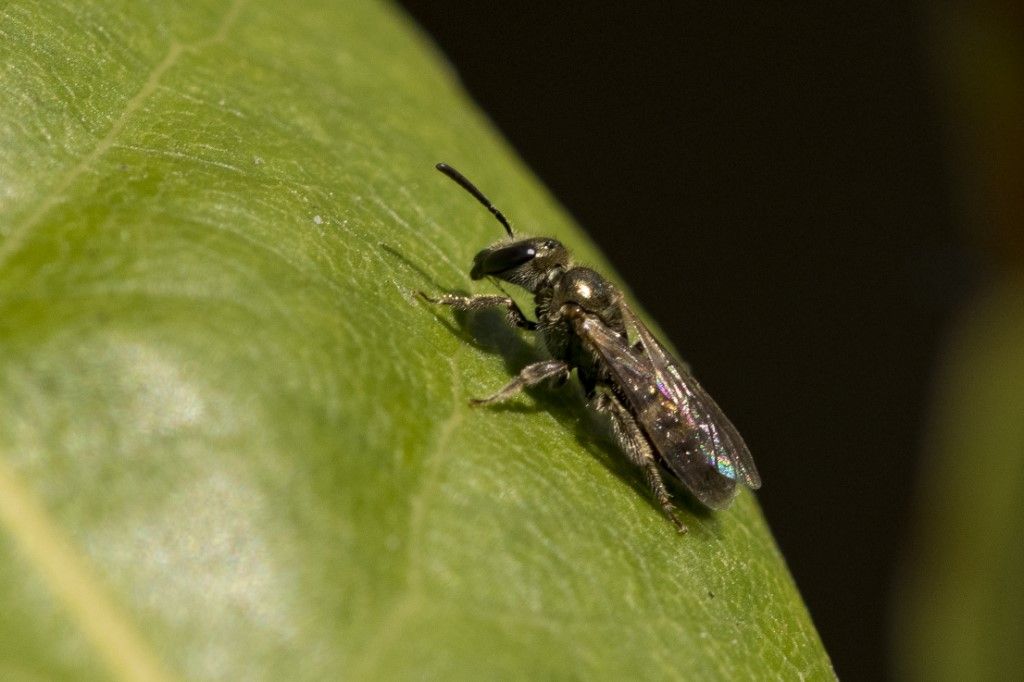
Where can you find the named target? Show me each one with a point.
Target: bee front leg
(637, 448)
(531, 375)
(514, 316)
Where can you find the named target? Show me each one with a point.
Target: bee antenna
(471, 188)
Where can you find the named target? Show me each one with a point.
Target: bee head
(524, 263)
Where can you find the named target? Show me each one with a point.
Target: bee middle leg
(531, 375)
(514, 315)
(634, 443)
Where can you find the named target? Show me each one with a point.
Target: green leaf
(234, 445)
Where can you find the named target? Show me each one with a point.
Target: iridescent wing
(694, 438)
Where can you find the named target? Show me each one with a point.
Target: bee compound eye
(497, 261)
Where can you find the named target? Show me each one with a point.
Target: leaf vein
(17, 237)
(412, 599)
(72, 582)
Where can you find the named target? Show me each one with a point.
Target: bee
(661, 418)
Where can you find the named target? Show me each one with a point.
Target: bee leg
(514, 316)
(634, 443)
(531, 375)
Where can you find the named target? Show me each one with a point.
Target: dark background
(772, 182)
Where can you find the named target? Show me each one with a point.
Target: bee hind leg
(531, 375)
(635, 445)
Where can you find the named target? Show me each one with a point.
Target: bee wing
(697, 441)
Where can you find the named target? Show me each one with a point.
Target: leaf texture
(233, 445)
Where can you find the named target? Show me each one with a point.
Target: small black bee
(658, 411)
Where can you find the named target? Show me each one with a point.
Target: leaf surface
(234, 445)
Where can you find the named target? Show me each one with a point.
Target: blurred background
(822, 207)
